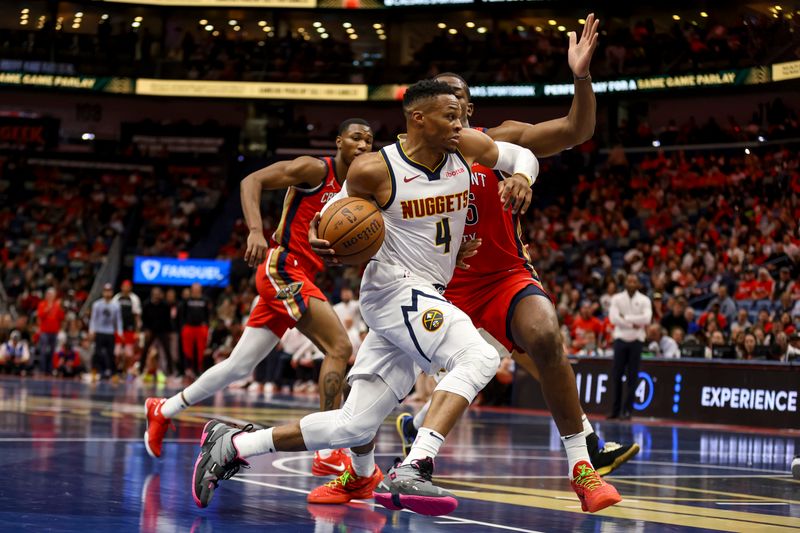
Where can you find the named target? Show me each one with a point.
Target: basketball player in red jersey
(285, 281)
(500, 290)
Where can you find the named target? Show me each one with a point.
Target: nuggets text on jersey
(434, 205)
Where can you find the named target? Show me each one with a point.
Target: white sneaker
(796, 467)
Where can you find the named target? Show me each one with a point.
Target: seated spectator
(718, 348)
(676, 316)
(742, 320)
(713, 314)
(67, 361)
(793, 349)
(746, 290)
(15, 355)
(660, 344)
(589, 347)
(764, 286)
(692, 327)
(585, 322)
(785, 283)
(750, 348)
(725, 305)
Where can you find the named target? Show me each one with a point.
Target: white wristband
(513, 159)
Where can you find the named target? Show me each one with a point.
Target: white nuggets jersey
(425, 215)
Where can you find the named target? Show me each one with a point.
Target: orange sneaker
(333, 465)
(347, 487)
(593, 492)
(157, 426)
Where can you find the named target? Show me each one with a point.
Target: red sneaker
(333, 465)
(157, 426)
(347, 487)
(593, 492)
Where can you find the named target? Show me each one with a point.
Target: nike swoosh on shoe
(339, 467)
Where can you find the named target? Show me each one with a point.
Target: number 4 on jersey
(443, 234)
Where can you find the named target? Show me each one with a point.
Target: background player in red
(500, 290)
(285, 282)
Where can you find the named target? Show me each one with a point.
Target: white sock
(364, 464)
(325, 452)
(575, 445)
(174, 405)
(425, 445)
(419, 418)
(587, 426)
(253, 443)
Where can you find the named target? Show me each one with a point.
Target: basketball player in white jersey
(422, 185)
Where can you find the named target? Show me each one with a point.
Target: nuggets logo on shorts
(432, 319)
(289, 291)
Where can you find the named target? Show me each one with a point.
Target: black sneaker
(611, 456)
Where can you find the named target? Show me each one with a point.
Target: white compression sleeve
(513, 159)
(254, 345)
(370, 401)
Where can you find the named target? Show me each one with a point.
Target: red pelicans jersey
(502, 248)
(299, 207)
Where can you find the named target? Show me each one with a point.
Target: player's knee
(355, 431)
(542, 340)
(471, 371)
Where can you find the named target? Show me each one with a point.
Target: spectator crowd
(510, 50)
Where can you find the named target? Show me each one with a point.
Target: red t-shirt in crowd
(580, 325)
(746, 290)
(50, 316)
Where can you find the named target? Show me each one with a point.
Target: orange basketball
(354, 227)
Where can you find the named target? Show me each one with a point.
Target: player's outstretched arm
(517, 162)
(304, 171)
(553, 136)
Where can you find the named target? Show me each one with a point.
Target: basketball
(354, 227)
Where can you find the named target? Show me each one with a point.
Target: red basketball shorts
(490, 301)
(284, 290)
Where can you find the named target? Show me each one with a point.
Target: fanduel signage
(171, 271)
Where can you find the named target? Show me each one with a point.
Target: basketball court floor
(73, 460)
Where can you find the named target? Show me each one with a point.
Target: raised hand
(580, 52)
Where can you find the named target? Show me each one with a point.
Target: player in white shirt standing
(630, 313)
(422, 185)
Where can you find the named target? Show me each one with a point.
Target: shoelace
(341, 480)
(425, 468)
(587, 478)
(231, 469)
